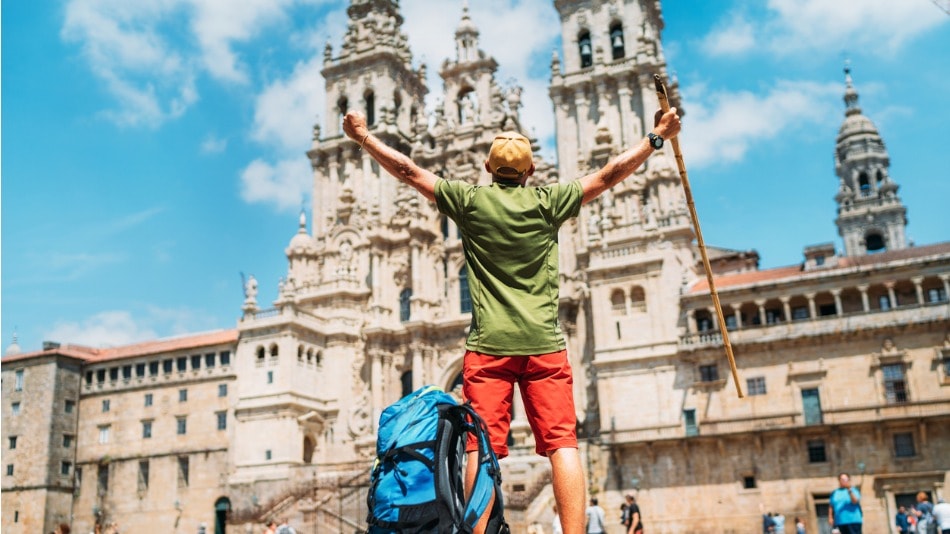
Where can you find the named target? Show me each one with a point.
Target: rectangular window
(689, 419)
(182, 395)
(67, 440)
(15, 408)
(101, 376)
(904, 445)
(127, 372)
(19, 380)
(799, 313)
(181, 364)
(811, 406)
(827, 309)
(196, 361)
(183, 468)
(756, 386)
(143, 475)
(748, 482)
(167, 366)
(146, 429)
(12, 442)
(9, 470)
(68, 408)
(936, 294)
(946, 367)
(731, 322)
(106, 404)
(225, 358)
(153, 368)
(182, 424)
(222, 420)
(895, 388)
(65, 468)
(88, 377)
(270, 377)
(140, 370)
(209, 360)
(148, 399)
(267, 454)
(708, 373)
(113, 374)
(222, 390)
(78, 480)
(773, 316)
(816, 451)
(103, 478)
(104, 434)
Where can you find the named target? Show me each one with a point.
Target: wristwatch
(655, 141)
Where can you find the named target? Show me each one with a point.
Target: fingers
(354, 125)
(656, 117)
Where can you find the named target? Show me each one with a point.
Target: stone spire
(13, 348)
(871, 217)
(466, 38)
(374, 24)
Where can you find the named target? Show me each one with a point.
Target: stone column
(418, 374)
(836, 293)
(890, 294)
(863, 288)
(713, 318)
(918, 285)
(376, 381)
(761, 304)
(812, 311)
(736, 311)
(583, 124)
(691, 327)
(786, 308)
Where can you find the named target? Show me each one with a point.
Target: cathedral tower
(871, 217)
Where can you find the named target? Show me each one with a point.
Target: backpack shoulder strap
(488, 475)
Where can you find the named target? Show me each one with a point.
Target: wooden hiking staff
(665, 106)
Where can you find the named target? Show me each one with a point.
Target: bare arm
(394, 161)
(619, 168)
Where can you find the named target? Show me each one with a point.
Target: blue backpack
(416, 481)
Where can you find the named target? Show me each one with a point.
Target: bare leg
(569, 489)
(471, 470)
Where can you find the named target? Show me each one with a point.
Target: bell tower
(871, 217)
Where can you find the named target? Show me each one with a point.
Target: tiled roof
(158, 346)
(793, 271)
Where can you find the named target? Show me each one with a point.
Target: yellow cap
(510, 155)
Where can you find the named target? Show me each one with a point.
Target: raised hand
(354, 126)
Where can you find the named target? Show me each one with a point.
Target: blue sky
(153, 150)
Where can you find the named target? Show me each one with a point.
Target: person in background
(779, 520)
(925, 519)
(799, 525)
(942, 516)
(900, 520)
(844, 510)
(596, 518)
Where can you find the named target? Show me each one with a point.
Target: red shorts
(547, 389)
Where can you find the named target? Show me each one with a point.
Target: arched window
(300, 353)
(406, 381)
(874, 243)
(584, 46)
(319, 357)
(465, 298)
(638, 299)
(404, 308)
(618, 302)
(309, 355)
(308, 446)
(880, 176)
(342, 106)
(273, 350)
(864, 184)
(616, 40)
(370, 100)
(222, 509)
(261, 352)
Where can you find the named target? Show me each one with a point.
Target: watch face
(656, 141)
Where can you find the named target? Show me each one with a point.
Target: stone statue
(250, 289)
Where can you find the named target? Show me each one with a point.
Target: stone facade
(844, 358)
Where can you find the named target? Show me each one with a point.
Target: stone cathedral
(844, 358)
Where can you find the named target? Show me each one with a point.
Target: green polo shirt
(509, 234)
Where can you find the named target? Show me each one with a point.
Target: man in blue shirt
(844, 511)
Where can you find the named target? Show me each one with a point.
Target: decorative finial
(850, 93)
(14, 347)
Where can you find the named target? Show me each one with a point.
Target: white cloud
(817, 26)
(212, 144)
(284, 184)
(150, 52)
(723, 126)
(286, 110)
(105, 329)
